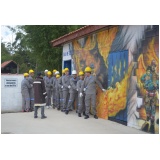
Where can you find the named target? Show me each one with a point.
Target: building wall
(11, 98)
(120, 57)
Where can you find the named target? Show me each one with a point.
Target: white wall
(11, 98)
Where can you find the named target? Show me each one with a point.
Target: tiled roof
(4, 64)
(76, 34)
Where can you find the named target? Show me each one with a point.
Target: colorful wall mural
(125, 59)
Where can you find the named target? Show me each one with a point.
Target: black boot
(95, 116)
(43, 117)
(35, 116)
(66, 112)
(84, 113)
(79, 114)
(86, 117)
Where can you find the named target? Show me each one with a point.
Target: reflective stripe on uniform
(37, 82)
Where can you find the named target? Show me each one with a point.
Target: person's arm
(63, 82)
(43, 88)
(47, 83)
(28, 84)
(73, 85)
(78, 86)
(60, 82)
(100, 85)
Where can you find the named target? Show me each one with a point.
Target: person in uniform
(73, 98)
(45, 75)
(25, 86)
(31, 92)
(81, 103)
(53, 89)
(48, 85)
(89, 87)
(61, 89)
(58, 93)
(40, 95)
(66, 87)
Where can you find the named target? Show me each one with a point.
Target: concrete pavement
(59, 123)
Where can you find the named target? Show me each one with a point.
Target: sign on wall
(10, 82)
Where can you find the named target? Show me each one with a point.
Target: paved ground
(59, 123)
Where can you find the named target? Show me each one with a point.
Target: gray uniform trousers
(81, 103)
(36, 110)
(65, 98)
(73, 98)
(31, 94)
(54, 100)
(59, 99)
(54, 97)
(48, 99)
(25, 100)
(90, 98)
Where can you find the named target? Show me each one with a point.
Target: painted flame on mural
(114, 99)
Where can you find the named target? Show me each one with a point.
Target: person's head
(153, 65)
(88, 71)
(39, 74)
(26, 75)
(66, 71)
(31, 72)
(63, 71)
(74, 73)
(45, 72)
(81, 75)
(148, 71)
(49, 74)
(57, 76)
(54, 71)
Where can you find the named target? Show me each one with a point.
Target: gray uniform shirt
(90, 84)
(25, 85)
(54, 83)
(79, 85)
(48, 83)
(66, 82)
(73, 84)
(60, 84)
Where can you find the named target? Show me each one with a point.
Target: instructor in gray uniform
(89, 87)
(25, 86)
(73, 93)
(66, 87)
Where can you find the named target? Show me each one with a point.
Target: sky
(6, 34)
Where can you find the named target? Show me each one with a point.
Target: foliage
(32, 47)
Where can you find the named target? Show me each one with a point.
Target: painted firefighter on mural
(150, 82)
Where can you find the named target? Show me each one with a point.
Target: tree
(5, 55)
(33, 44)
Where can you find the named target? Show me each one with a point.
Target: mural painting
(125, 59)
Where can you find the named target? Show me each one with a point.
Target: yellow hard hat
(31, 71)
(63, 71)
(57, 76)
(26, 74)
(88, 69)
(49, 73)
(54, 70)
(81, 73)
(66, 69)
